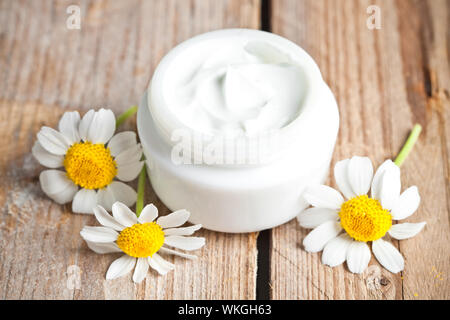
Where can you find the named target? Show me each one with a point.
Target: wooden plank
(48, 69)
(379, 81)
(424, 29)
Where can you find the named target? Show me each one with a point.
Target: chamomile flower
(91, 159)
(342, 228)
(141, 239)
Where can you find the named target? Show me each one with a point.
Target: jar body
(243, 199)
(239, 198)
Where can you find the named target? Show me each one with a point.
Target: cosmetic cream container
(235, 124)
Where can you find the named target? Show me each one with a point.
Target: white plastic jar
(234, 125)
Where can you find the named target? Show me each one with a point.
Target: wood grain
(385, 81)
(46, 70)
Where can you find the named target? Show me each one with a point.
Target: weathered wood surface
(46, 70)
(384, 80)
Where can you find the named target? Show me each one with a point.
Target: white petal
(98, 234)
(323, 197)
(403, 231)
(65, 195)
(176, 253)
(313, 217)
(388, 255)
(84, 201)
(141, 270)
(46, 158)
(102, 248)
(174, 219)
(341, 177)
(120, 267)
(106, 198)
(57, 186)
(377, 179)
(185, 243)
(123, 214)
(129, 171)
(52, 141)
(316, 240)
(122, 192)
(54, 181)
(68, 126)
(131, 155)
(121, 142)
(187, 231)
(105, 219)
(85, 124)
(390, 187)
(102, 126)
(358, 256)
(406, 204)
(360, 173)
(335, 251)
(159, 264)
(148, 214)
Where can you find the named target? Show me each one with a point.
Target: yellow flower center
(364, 219)
(141, 240)
(90, 166)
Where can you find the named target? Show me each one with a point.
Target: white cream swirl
(249, 87)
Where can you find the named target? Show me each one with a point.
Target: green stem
(140, 192)
(412, 139)
(124, 116)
